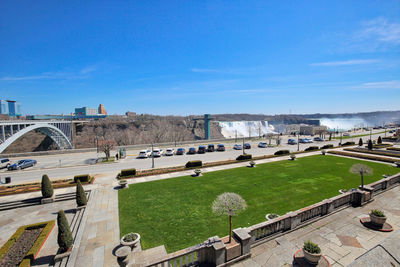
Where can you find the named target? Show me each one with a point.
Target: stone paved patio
(341, 236)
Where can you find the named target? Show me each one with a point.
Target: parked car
(346, 134)
(247, 146)
(302, 140)
(392, 131)
(237, 147)
(4, 163)
(210, 148)
(157, 152)
(308, 140)
(192, 150)
(291, 141)
(220, 147)
(201, 149)
(143, 154)
(180, 151)
(22, 164)
(318, 139)
(169, 152)
(262, 145)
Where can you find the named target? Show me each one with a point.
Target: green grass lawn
(177, 212)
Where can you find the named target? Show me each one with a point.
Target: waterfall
(229, 129)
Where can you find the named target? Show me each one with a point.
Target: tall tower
(102, 110)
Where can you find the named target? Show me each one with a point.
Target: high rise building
(10, 107)
(85, 111)
(102, 110)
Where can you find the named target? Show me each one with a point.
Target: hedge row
(244, 157)
(127, 172)
(282, 152)
(349, 144)
(194, 163)
(383, 153)
(84, 178)
(311, 148)
(361, 156)
(32, 253)
(393, 148)
(381, 145)
(327, 146)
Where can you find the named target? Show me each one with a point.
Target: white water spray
(233, 129)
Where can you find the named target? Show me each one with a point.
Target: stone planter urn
(397, 164)
(123, 183)
(197, 172)
(131, 240)
(252, 164)
(323, 152)
(122, 256)
(271, 216)
(293, 157)
(311, 257)
(377, 220)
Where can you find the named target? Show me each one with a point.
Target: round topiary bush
(81, 199)
(47, 188)
(64, 238)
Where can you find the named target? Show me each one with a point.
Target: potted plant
(123, 183)
(252, 164)
(323, 151)
(131, 240)
(293, 157)
(197, 172)
(312, 252)
(271, 216)
(377, 217)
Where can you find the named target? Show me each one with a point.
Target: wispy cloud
(345, 63)
(380, 29)
(244, 70)
(61, 75)
(206, 70)
(395, 84)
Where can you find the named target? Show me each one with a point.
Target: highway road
(68, 165)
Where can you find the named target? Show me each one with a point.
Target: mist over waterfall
(344, 124)
(231, 129)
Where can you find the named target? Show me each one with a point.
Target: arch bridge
(59, 131)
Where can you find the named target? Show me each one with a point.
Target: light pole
(298, 141)
(370, 134)
(152, 155)
(243, 146)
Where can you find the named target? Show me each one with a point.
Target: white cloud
(380, 29)
(394, 84)
(346, 62)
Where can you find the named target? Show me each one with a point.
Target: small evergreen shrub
(244, 157)
(370, 145)
(84, 178)
(377, 213)
(360, 142)
(193, 163)
(349, 144)
(311, 148)
(64, 238)
(81, 199)
(327, 146)
(282, 152)
(311, 247)
(128, 172)
(47, 188)
(379, 140)
(130, 237)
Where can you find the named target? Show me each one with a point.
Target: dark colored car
(291, 142)
(210, 148)
(220, 147)
(247, 146)
(202, 149)
(192, 150)
(22, 164)
(180, 151)
(318, 139)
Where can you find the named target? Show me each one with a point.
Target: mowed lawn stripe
(177, 212)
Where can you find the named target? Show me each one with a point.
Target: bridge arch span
(53, 132)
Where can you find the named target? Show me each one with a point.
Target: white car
(144, 153)
(4, 163)
(157, 152)
(346, 134)
(169, 152)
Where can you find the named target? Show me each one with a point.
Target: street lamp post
(152, 155)
(243, 147)
(298, 141)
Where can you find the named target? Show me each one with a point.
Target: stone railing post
(295, 219)
(327, 207)
(213, 253)
(244, 238)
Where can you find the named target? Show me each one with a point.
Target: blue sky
(195, 57)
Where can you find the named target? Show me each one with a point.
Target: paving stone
(349, 241)
(98, 257)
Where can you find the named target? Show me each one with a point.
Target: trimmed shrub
(362, 156)
(244, 157)
(349, 144)
(64, 238)
(370, 145)
(282, 152)
(47, 188)
(128, 172)
(311, 148)
(81, 199)
(393, 148)
(379, 140)
(327, 146)
(360, 142)
(374, 152)
(311, 247)
(194, 163)
(377, 213)
(84, 178)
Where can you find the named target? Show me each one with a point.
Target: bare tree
(362, 170)
(229, 204)
(106, 146)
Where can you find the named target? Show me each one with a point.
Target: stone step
(144, 257)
